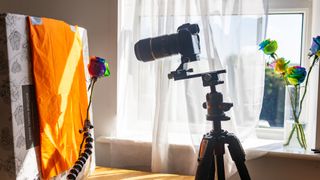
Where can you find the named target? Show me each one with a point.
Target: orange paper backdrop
(60, 92)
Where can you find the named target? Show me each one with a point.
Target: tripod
(212, 145)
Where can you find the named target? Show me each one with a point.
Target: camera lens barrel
(186, 42)
(143, 51)
(153, 48)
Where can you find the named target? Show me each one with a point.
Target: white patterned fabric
(19, 143)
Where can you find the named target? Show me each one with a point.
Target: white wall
(282, 168)
(99, 17)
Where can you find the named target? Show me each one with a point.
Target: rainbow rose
(98, 67)
(280, 65)
(268, 46)
(296, 75)
(315, 47)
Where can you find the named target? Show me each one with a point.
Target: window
(287, 29)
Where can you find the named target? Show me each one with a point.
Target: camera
(186, 42)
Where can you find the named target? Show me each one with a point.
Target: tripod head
(214, 100)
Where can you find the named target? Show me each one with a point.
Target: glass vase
(289, 130)
(294, 129)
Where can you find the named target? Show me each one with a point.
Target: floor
(102, 173)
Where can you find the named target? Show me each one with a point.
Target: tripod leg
(206, 162)
(238, 155)
(220, 163)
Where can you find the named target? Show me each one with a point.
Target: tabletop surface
(114, 174)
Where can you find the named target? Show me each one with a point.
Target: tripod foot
(238, 155)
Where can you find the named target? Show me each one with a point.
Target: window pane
(287, 30)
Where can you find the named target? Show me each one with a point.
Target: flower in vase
(315, 47)
(98, 67)
(296, 75)
(280, 65)
(268, 46)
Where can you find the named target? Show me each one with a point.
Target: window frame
(296, 7)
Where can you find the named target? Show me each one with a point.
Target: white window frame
(290, 7)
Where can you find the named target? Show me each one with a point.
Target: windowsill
(130, 141)
(110, 140)
(278, 150)
(266, 148)
(270, 133)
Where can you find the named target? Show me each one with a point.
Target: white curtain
(312, 96)
(169, 113)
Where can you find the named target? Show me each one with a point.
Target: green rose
(269, 47)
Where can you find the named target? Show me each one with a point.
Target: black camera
(186, 42)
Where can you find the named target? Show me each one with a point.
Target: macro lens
(153, 48)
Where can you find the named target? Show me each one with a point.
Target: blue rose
(315, 47)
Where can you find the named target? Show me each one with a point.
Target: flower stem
(303, 137)
(306, 85)
(299, 134)
(290, 136)
(93, 81)
(293, 101)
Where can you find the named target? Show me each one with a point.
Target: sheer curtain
(313, 96)
(169, 113)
